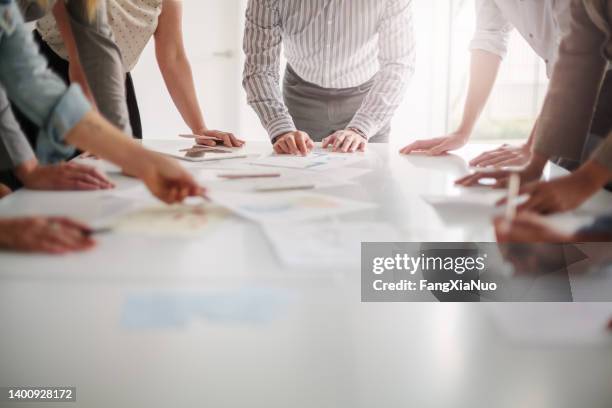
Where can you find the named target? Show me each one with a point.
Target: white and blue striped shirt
(333, 44)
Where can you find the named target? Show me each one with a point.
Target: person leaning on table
(542, 24)
(133, 24)
(21, 167)
(566, 117)
(349, 64)
(66, 117)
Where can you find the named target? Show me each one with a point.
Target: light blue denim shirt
(38, 92)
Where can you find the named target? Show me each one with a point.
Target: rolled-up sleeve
(572, 95)
(262, 47)
(397, 62)
(38, 92)
(492, 29)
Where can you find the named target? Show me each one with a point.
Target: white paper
(173, 148)
(329, 244)
(287, 207)
(318, 160)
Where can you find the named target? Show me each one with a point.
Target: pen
(514, 186)
(189, 136)
(280, 189)
(248, 176)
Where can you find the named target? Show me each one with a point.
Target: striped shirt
(332, 44)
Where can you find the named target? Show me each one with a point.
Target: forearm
(178, 77)
(76, 69)
(96, 135)
(483, 73)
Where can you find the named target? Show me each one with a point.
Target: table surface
(216, 320)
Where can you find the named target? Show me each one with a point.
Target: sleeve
(101, 60)
(261, 77)
(397, 61)
(39, 93)
(492, 29)
(573, 91)
(15, 146)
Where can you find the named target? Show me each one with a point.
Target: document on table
(331, 244)
(175, 220)
(287, 207)
(186, 151)
(283, 179)
(318, 160)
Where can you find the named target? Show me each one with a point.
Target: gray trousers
(322, 111)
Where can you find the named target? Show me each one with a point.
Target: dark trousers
(61, 68)
(321, 111)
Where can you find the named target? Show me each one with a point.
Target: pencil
(514, 186)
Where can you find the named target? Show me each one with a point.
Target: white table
(262, 335)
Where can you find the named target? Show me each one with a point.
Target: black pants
(61, 67)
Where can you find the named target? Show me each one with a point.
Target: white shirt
(542, 23)
(333, 44)
(133, 23)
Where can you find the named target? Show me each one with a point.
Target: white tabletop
(216, 320)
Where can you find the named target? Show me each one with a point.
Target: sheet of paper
(171, 220)
(554, 323)
(287, 207)
(318, 160)
(183, 150)
(329, 244)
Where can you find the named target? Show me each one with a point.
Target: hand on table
(531, 172)
(345, 141)
(562, 194)
(227, 139)
(166, 179)
(295, 143)
(63, 176)
(504, 156)
(54, 235)
(439, 145)
(4, 190)
(528, 228)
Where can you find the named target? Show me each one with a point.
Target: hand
(296, 143)
(439, 145)
(504, 155)
(166, 179)
(4, 190)
(53, 235)
(565, 193)
(228, 139)
(531, 172)
(346, 141)
(528, 228)
(63, 176)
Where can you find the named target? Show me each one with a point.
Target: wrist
(25, 170)
(594, 174)
(537, 163)
(358, 131)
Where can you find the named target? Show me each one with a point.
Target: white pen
(514, 186)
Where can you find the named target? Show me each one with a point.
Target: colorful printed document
(317, 160)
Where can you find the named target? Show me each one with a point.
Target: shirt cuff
(68, 112)
(490, 43)
(368, 127)
(280, 126)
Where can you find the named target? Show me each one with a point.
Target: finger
(419, 145)
(301, 145)
(514, 161)
(227, 139)
(339, 141)
(235, 141)
(90, 182)
(495, 160)
(292, 146)
(282, 146)
(346, 145)
(101, 178)
(327, 141)
(309, 143)
(438, 150)
(206, 142)
(70, 223)
(478, 160)
(355, 145)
